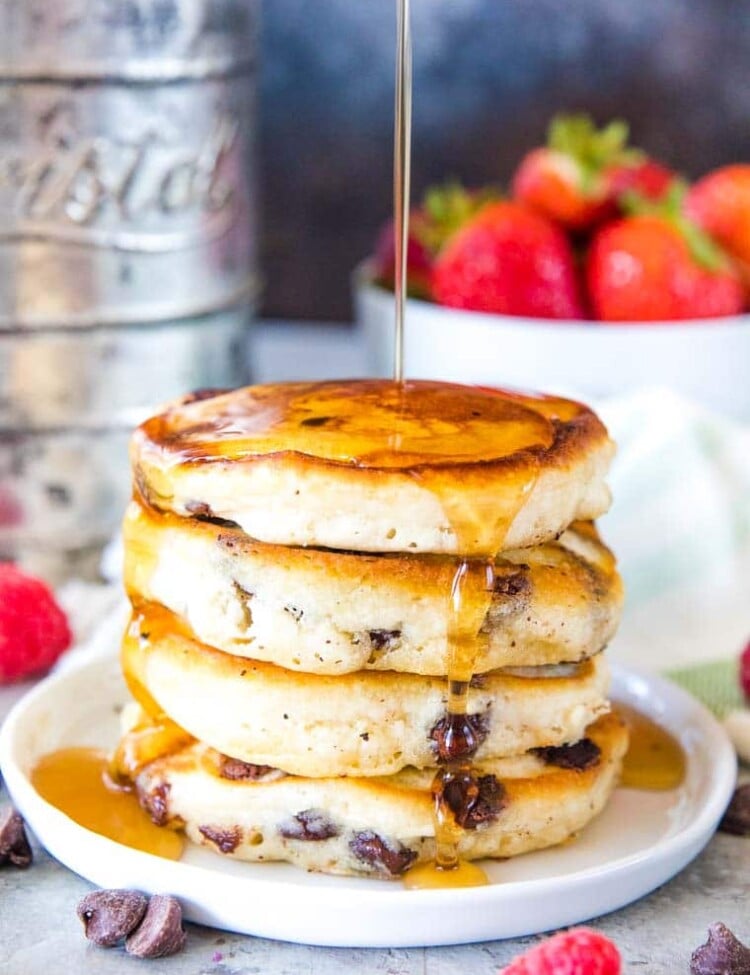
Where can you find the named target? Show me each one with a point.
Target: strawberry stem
(593, 149)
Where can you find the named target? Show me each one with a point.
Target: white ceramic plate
(640, 841)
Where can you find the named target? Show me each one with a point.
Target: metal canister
(127, 230)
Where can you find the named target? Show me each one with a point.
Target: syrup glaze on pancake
(330, 463)
(367, 423)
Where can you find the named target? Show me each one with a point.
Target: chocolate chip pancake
(381, 826)
(378, 466)
(362, 724)
(329, 612)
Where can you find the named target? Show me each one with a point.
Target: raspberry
(34, 630)
(745, 671)
(579, 951)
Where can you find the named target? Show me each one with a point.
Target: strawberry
(580, 175)
(745, 671)
(657, 265)
(33, 629)
(510, 260)
(579, 951)
(720, 203)
(444, 210)
(565, 180)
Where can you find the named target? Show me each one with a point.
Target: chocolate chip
(14, 844)
(737, 817)
(512, 582)
(225, 840)
(234, 769)
(490, 803)
(383, 639)
(160, 932)
(387, 857)
(155, 802)
(722, 954)
(579, 756)
(315, 421)
(310, 824)
(108, 916)
(458, 736)
(474, 802)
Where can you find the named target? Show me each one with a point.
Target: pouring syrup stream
(402, 176)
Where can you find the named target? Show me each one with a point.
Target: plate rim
(679, 847)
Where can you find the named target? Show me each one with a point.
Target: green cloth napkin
(715, 684)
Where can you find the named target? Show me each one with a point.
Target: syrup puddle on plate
(76, 781)
(655, 760)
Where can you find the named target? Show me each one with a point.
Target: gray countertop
(41, 935)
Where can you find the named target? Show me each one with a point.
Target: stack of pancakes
(290, 552)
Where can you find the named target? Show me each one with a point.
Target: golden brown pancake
(367, 723)
(376, 466)
(332, 612)
(381, 826)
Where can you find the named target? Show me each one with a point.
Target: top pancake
(372, 465)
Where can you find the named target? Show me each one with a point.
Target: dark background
(488, 75)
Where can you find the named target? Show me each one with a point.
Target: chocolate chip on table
(386, 857)
(108, 916)
(311, 825)
(722, 954)
(579, 756)
(14, 844)
(737, 817)
(160, 933)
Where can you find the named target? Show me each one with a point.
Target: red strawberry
(647, 178)
(720, 203)
(583, 172)
(745, 671)
(444, 210)
(418, 261)
(34, 630)
(567, 179)
(659, 266)
(579, 951)
(509, 260)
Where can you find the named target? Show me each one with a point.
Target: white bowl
(707, 360)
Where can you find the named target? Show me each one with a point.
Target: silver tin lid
(130, 40)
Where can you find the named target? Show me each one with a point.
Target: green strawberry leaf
(593, 149)
(447, 208)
